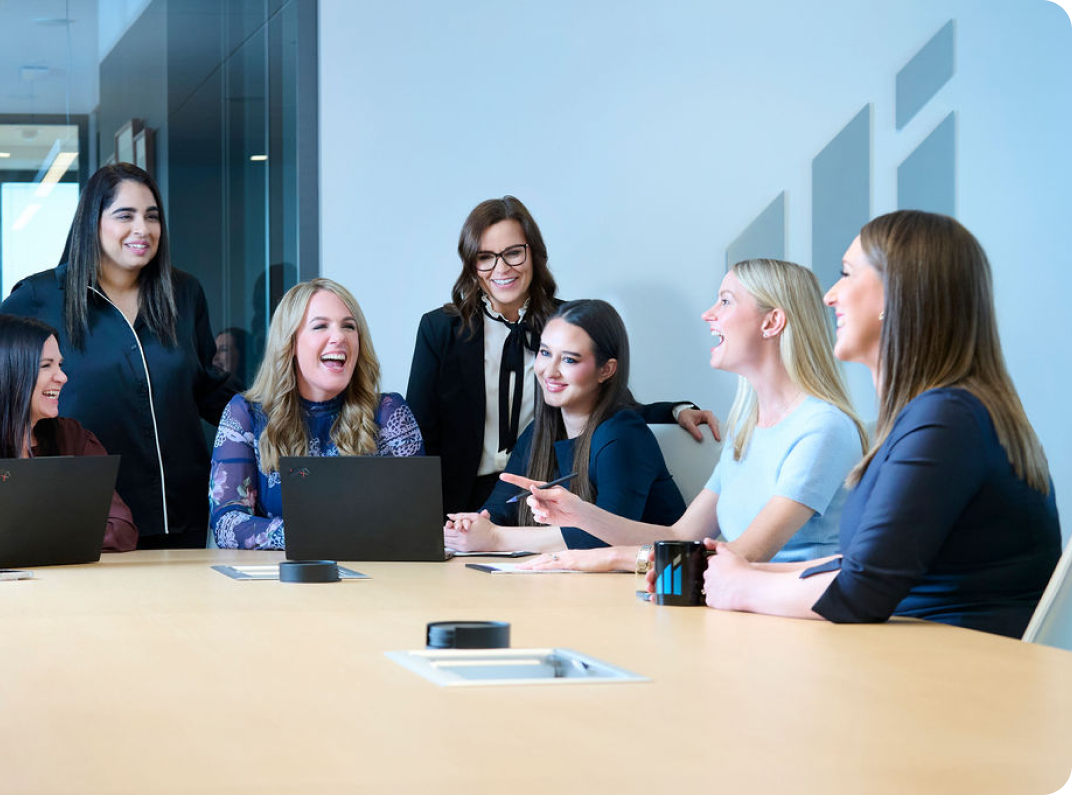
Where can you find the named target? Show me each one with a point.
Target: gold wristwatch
(643, 559)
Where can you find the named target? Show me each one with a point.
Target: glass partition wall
(216, 98)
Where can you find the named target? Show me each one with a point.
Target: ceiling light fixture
(48, 177)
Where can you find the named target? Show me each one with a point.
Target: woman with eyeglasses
(471, 383)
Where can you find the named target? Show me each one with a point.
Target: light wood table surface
(151, 673)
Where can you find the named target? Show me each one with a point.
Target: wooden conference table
(151, 673)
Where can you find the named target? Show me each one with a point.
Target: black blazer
(446, 395)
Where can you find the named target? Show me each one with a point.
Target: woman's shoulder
(35, 291)
(240, 409)
(624, 422)
(186, 285)
(946, 406)
(440, 325)
(442, 316)
(817, 414)
(67, 431)
(50, 277)
(390, 402)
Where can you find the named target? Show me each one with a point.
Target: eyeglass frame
(523, 246)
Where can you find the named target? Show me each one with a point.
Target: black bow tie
(513, 361)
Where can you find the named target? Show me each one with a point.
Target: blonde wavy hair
(276, 386)
(805, 346)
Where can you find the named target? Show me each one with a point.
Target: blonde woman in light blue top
(777, 491)
(802, 459)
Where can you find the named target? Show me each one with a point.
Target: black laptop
(362, 508)
(54, 510)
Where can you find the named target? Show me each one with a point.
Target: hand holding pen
(532, 483)
(550, 503)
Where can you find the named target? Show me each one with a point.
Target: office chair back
(1051, 623)
(690, 462)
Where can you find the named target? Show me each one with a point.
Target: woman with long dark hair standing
(139, 351)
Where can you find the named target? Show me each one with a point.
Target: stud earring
(882, 315)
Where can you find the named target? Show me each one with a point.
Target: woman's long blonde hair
(805, 345)
(276, 386)
(940, 329)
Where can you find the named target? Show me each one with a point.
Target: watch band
(643, 559)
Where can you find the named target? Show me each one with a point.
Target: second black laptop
(362, 508)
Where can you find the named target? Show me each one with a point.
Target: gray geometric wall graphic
(929, 70)
(841, 173)
(926, 180)
(764, 237)
(840, 195)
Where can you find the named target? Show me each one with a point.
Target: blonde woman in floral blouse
(316, 393)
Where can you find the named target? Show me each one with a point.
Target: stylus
(549, 484)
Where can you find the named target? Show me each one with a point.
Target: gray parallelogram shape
(926, 180)
(764, 237)
(929, 70)
(840, 195)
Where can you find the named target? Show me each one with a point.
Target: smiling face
(858, 299)
(567, 370)
(326, 348)
(129, 229)
(45, 402)
(737, 319)
(505, 285)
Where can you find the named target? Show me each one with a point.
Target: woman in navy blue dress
(585, 425)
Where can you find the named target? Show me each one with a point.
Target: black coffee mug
(679, 572)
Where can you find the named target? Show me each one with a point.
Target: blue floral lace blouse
(246, 505)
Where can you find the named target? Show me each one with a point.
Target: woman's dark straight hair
(82, 253)
(21, 342)
(465, 296)
(604, 326)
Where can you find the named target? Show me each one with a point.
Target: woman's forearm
(776, 593)
(533, 539)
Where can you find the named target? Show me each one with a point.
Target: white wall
(644, 137)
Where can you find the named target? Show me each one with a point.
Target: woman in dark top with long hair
(470, 384)
(585, 425)
(139, 351)
(31, 381)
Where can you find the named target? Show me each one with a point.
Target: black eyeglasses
(513, 256)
